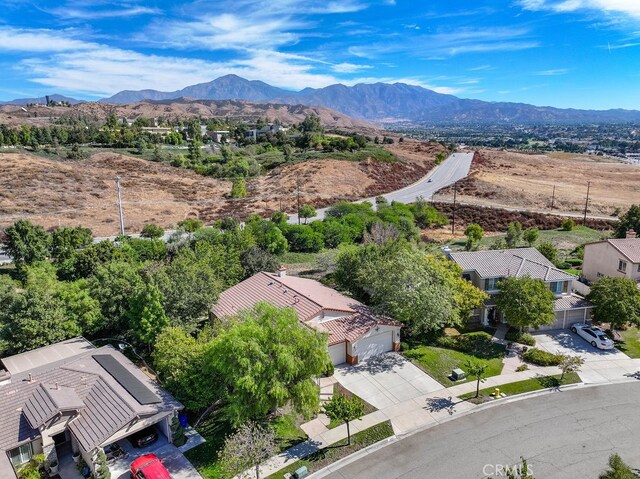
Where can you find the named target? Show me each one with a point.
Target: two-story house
(485, 269)
(615, 258)
(353, 333)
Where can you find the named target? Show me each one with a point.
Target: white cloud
(349, 67)
(69, 12)
(26, 40)
(553, 72)
(624, 7)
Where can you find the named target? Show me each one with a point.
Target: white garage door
(338, 353)
(374, 345)
(573, 316)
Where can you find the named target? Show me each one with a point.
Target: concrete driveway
(566, 342)
(386, 380)
(178, 466)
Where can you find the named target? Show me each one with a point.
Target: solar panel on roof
(126, 379)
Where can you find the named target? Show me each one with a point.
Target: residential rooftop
(628, 247)
(517, 262)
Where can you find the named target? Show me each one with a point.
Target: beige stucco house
(485, 269)
(353, 333)
(615, 258)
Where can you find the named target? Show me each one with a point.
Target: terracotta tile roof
(308, 297)
(350, 328)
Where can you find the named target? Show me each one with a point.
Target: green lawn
(438, 362)
(630, 344)
(297, 258)
(215, 428)
(340, 389)
(525, 386)
(338, 450)
(563, 240)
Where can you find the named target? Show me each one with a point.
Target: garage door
(338, 353)
(573, 316)
(374, 345)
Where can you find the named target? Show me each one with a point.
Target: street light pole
(586, 205)
(453, 216)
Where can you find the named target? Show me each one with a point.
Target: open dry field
(63, 192)
(521, 180)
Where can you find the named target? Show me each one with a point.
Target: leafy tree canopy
(525, 302)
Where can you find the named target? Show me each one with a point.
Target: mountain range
(41, 100)
(380, 102)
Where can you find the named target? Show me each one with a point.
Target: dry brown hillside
(185, 108)
(64, 192)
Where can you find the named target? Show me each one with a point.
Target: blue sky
(565, 53)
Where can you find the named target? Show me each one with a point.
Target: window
(491, 284)
(21, 455)
(557, 287)
(622, 266)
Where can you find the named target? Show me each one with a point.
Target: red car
(149, 466)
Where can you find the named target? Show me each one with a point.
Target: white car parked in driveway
(595, 336)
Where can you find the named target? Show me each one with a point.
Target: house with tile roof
(485, 269)
(73, 397)
(353, 332)
(615, 258)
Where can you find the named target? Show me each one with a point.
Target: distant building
(218, 136)
(265, 130)
(615, 258)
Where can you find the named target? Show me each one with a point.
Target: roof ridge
(270, 276)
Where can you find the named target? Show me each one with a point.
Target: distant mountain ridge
(41, 100)
(380, 102)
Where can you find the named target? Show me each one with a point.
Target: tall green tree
(514, 233)
(474, 234)
(239, 188)
(265, 360)
(616, 301)
(26, 243)
(179, 359)
(306, 212)
(548, 250)
(146, 315)
(65, 241)
(531, 235)
(341, 408)
(525, 302)
(629, 221)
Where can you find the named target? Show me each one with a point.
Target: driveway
(178, 466)
(566, 342)
(386, 380)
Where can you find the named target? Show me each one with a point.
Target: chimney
(282, 271)
(631, 234)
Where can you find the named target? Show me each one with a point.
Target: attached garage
(570, 309)
(338, 353)
(374, 345)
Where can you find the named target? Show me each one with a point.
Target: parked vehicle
(595, 336)
(149, 466)
(144, 437)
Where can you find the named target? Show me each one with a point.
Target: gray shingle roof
(47, 401)
(571, 301)
(517, 263)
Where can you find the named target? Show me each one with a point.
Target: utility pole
(553, 198)
(453, 216)
(120, 206)
(586, 205)
(298, 194)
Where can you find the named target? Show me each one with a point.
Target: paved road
(567, 434)
(448, 172)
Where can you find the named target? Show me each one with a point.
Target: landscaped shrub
(516, 336)
(522, 367)
(574, 261)
(478, 343)
(541, 358)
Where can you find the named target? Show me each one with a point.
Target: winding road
(566, 434)
(454, 168)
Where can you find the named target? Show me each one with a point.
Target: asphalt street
(564, 435)
(454, 168)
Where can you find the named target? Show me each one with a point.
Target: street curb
(353, 457)
(519, 397)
